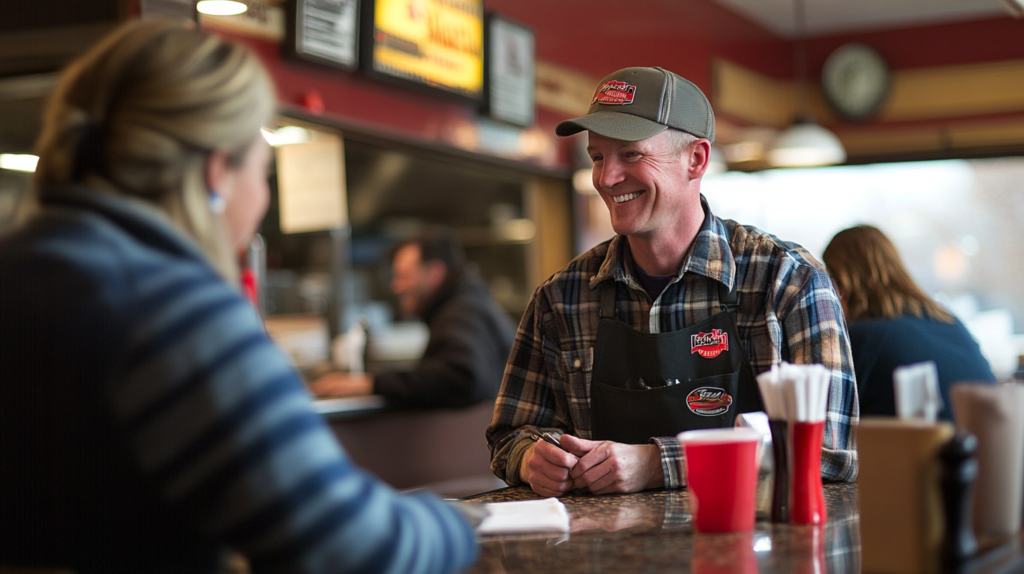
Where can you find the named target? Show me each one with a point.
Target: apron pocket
(634, 417)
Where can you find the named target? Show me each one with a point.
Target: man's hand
(607, 467)
(546, 468)
(334, 384)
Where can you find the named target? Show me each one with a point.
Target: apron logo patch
(708, 401)
(709, 345)
(612, 93)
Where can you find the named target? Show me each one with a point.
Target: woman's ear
(218, 174)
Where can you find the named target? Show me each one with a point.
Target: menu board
(437, 43)
(511, 96)
(168, 8)
(327, 31)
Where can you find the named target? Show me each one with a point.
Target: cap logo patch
(612, 93)
(709, 345)
(708, 401)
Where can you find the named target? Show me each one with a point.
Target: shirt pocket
(578, 363)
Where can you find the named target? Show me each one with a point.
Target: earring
(216, 202)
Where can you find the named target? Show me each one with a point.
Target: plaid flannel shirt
(787, 311)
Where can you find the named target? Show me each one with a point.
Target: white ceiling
(823, 17)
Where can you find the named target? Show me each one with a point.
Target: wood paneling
(563, 89)
(955, 91)
(747, 95)
(929, 110)
(1003, 133)
(548, 205)
(980, 135)
(877, 142)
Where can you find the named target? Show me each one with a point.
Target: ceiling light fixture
(19, 161)
(804, 143)
(221, 7)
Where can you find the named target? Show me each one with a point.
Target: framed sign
(185, 9)
(311, 184)
(510, 72)
(325, 31)
(436, 44)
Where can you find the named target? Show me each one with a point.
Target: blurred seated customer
(147, 422)
(470, 335)
(893, 323)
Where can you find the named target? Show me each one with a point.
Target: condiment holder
(796, 400)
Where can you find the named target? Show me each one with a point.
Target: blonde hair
(870, 276)
(139, 114)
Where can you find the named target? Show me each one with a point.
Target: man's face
(413, 281)
(643, 182)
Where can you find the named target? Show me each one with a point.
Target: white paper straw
(802, 395)
(789, 396)
(815, 381)
(768, 383)
(796, 392)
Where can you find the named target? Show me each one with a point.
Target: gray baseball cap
(636, 103)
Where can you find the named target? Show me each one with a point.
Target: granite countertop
(652, 532)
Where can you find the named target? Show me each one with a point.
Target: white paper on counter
(916, 388)
(525, 517)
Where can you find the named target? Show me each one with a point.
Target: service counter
(443, 450)
(653, 532)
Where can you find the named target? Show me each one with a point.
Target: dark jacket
(881, 345)
(470, 339)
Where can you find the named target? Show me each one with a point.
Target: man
(470, 336)
(662, 328)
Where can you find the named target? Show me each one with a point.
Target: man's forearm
(524, 464)
(653, 467)
(508, 459)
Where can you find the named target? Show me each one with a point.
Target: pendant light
(805, 143)
(221, 7)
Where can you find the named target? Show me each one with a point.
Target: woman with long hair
(147, 422)
(892, 322)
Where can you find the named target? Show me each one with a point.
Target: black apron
(647, 385)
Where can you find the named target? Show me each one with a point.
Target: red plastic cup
(721, 475)
(807, 505)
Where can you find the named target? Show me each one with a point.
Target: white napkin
(917, 391)
(525, 517)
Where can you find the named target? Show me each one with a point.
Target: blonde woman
(892, 322)
(147, 423)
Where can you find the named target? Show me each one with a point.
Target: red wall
(599, 36)
(681, 35)
(938, 45)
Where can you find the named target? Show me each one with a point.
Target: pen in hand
(546, 437)
(551, 439)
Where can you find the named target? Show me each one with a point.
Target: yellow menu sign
(439, 43)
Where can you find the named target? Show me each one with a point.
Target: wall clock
(855, 81)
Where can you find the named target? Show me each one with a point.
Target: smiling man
(662, 328)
